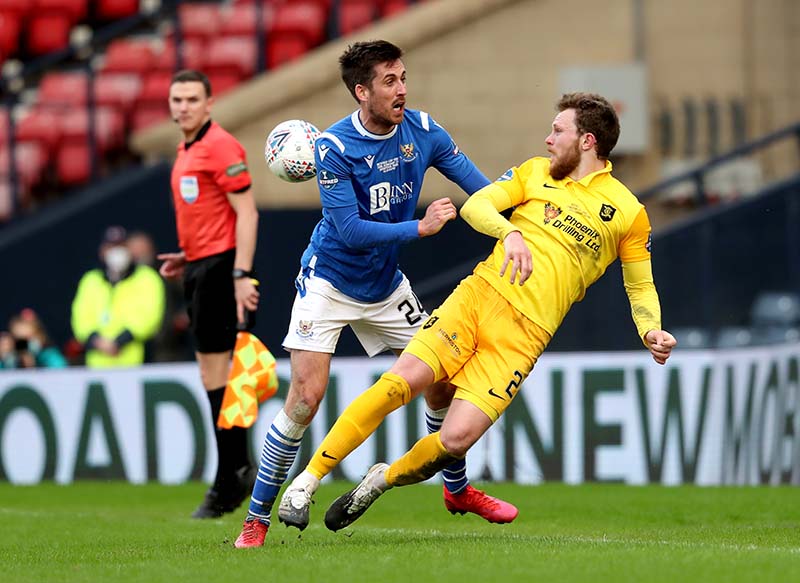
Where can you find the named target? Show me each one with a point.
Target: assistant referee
(217, 224)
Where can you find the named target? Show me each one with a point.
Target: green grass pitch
(594, 532)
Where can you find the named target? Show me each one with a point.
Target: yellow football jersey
(574, 229)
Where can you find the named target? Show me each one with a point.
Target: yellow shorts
(481, 344)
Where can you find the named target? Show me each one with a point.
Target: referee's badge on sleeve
(189, 189)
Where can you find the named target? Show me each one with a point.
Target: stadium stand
(693, 338)
(131, 56)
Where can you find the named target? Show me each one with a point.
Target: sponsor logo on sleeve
(649, 244)
(509, 174)
(327, 179)
(236, 169)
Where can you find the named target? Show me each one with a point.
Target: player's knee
(303, 400)
(457, 443)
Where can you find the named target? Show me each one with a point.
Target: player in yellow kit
(571, 220)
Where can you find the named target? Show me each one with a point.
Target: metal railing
(697, 175)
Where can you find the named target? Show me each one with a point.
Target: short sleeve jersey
(574, 229)
(379, 177)
(212, 166)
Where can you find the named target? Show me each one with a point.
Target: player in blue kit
(370, 167)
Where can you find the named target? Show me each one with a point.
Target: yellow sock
(358, 421)
(423, 461)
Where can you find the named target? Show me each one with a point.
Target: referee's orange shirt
(202, 176)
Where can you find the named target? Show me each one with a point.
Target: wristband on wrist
(240, 273)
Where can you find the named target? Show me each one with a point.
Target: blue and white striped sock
(277, 456)
(454, 475)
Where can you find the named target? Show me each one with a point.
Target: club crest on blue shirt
(407, 150)
(189, 189)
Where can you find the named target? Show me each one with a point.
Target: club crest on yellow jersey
(550, 212)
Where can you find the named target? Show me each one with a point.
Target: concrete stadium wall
(488, 71)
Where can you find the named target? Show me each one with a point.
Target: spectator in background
(142, 248)
(171, 343)
(27, 345)
(118, 306)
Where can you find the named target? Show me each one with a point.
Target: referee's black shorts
(211, 301)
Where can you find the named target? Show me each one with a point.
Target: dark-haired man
(370, 167)
(217, 224)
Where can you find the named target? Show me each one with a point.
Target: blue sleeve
(338, 198)
(453, 163)
(361, 234)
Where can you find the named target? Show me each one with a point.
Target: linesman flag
(252, 380)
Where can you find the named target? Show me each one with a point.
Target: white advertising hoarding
(729, 417)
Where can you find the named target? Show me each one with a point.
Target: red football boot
(478, 502)
(253, 534)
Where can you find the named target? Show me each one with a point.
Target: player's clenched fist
(436, 215)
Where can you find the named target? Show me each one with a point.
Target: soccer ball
(289, 150)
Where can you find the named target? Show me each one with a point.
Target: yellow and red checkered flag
(252, 380)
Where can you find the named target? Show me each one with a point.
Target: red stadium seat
(393, 7)
(117, 90)
(232, 55)
(111, 9)
(109, 128)
(77, 9)
(355, 14)
(9, 33)
(223, 82)
(148, 113)
(19, 7)
(31, 162)
(40, 126)
(156, 86)
(62, 89)
(152, 105)
(73, 164)
(284, 48)
(48, 32)
(306, 17)
(199, 21)
(192, 53)
(240, 20)
(129, 55)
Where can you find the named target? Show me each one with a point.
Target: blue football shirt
(369, 185)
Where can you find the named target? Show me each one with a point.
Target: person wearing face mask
(27, 345)
(118, 307)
